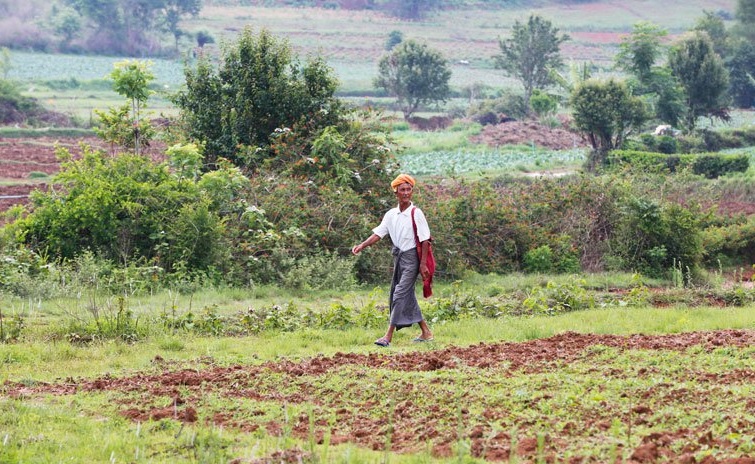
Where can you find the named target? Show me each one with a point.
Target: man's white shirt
(398, 224)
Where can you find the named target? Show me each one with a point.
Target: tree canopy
(702, 74)
(124, 26)
(639, 52)
(259, 88)
(414, 74)
(607, 113)
(531, 54)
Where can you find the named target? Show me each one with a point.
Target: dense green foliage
(125, 209)
(121, 27)
(741, 72)
(639, 52)
(128, 129)
(259, 90)
(710, 166)
(415, 75)
(655, 84)
(702, 76)
(607, 113)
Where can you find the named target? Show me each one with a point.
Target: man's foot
(423, 338)
(382, 342)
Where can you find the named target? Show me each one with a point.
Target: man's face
(404, 192)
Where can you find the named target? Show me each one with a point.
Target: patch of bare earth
(528, 133)
(419, 410)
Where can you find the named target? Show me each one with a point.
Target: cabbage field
(495, 160)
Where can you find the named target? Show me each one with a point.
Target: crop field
(508, 389)
(353, 42)
(493, 161)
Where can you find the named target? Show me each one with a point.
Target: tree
(637, 56)
(745, 14)
(639, 52)
(703, 77)
(607, 113)
(67, 23)
(414, 10)
(414, 74)
(394, 38)
(713, 25)
(531, 54)
(126, 26)
(742, 74)
(741, 64)
(259, 91)
(173, 11)
(121, 126)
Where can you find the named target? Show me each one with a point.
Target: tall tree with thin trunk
(531, 54)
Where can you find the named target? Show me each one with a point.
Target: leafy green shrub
(126, 208)
(11, 327)
(208, 322)
(539, 259)
(321, 271)
(690, 143)
(667, 144)
(710, 166)
(651, 236)
(395, 37)
(723, 139)
(557, 298)
(542, 103)
(714, 166)
(648, 142)
(730, 243)
(509, 103)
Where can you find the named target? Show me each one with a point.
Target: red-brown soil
(361, 417)
(529, 133)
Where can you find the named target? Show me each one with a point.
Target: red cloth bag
(427, 284)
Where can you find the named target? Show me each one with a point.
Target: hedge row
(709, 165)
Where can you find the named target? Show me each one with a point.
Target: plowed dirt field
(535, 401)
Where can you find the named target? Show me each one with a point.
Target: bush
(321, 271)
(730, 244)
(710, 166)
(652, 237)
(124, 209)
(508, 104)
(714, 166)
(539, 260)
(667, 144)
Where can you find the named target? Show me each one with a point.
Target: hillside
(463, 34)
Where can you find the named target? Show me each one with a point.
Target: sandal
(382, 342)
(420, 339)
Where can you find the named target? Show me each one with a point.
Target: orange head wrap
(402, 179)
